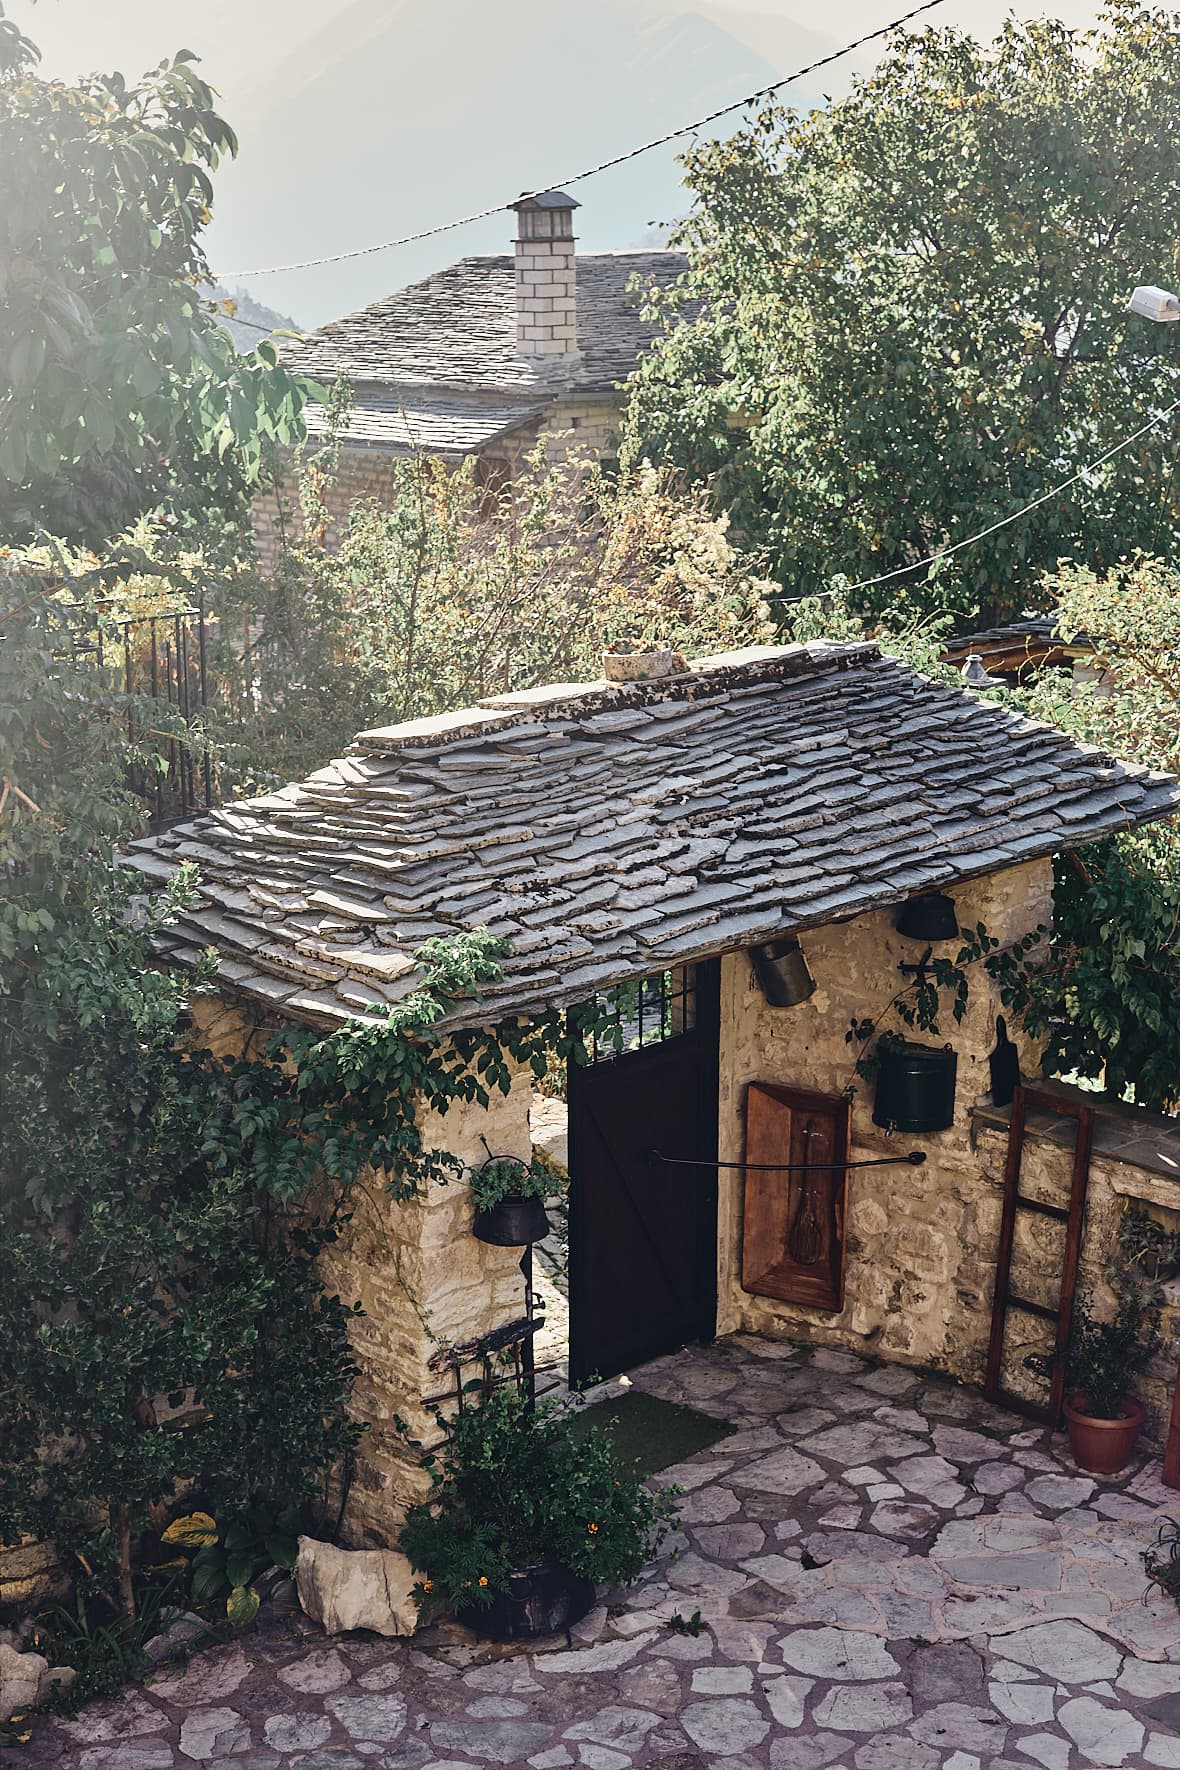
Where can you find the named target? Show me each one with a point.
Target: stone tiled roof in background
(440, 424)
(1032, 642)
(457, 330)
(611, 831)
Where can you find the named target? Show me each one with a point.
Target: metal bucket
(916, 1087)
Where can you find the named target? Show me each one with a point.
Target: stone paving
(891, 1575)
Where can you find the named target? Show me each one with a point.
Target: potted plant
(527, 1515)
(509, 1197)
(1101, 1359)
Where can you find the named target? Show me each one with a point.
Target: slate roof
(611, 831)
(1034, 640)
(439, 424)
(457, 330)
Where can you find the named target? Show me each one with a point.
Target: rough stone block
(356, 1588)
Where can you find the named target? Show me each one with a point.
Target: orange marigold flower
(428, 1585)
(483, 1579)
(593, 1529)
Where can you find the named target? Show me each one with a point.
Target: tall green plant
(906, 315)
(1106, 993)
(120, 388)
(443, 594)
(157, 1321)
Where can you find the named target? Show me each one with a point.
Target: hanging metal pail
(916, 1088)
(513, 1223)
(782, 972)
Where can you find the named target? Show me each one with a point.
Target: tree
(904, 316)
(158, 1321)
(119, 385)
(442, 595)
(1108, 996)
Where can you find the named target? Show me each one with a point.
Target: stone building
(664, 835)
(486, 358)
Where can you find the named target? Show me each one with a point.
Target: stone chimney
(546, 302)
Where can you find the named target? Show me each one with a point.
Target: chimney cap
(545, 200)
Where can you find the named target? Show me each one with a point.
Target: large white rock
(22, 1679)
(356, 1588)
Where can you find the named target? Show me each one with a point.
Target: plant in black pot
(527, 1516)
(509, 1196)
(1101, 1360)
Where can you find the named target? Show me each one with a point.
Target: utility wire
(646, 147)
(918, 565)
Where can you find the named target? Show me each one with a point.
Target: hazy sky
(132, 34)
(360, 119)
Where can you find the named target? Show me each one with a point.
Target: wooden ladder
(1072, 1216)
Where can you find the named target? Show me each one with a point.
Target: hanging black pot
(915, 1087)
(782, 972)
(930, 917)
(539, 1601)
(513, 1223)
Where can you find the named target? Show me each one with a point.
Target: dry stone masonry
(889, 1574)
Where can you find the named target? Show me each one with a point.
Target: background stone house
(657, 834)
(485, 358)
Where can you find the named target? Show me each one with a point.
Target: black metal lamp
(932, 916)
(782, 972)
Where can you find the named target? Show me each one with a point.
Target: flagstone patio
(891, 1575)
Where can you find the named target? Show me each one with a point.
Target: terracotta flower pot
(1102, 1447)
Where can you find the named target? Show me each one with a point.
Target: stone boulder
(345, 1589)
(27, 1680)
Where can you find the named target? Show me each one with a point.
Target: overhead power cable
(918, 565)
(645, 147)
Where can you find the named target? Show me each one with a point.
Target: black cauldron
(915, 1087)
(931, 916)
(539, 1601)
(513, 1223)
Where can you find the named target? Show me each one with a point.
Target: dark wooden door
(643, 1233)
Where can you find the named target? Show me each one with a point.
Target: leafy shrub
(228, 1556)
(105, 1646)
(516, 1487)
(508, 1177)
(1103, 1356)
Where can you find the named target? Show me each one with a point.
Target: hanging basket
(516, 1219)
(513, 1223)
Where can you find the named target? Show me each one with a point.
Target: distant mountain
(251, 320)
(394, 116)
(360, 119)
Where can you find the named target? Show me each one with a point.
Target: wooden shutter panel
(793, 1223)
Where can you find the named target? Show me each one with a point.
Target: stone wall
(583, 426)
(920, 1241)
(424, 1282)
(419, 1274)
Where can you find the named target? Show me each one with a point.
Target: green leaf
(241, 1566)
(241, 1607)
(283, 1551)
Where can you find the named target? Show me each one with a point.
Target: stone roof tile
(456, 331)
(770, 790)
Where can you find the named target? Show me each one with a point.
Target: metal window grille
(649, 1012)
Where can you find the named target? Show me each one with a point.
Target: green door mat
(649, 1434)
